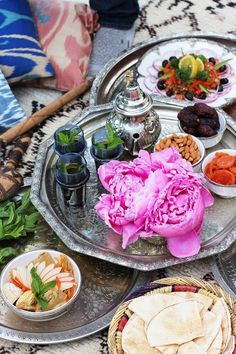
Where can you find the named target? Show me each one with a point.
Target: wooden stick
(39, 116)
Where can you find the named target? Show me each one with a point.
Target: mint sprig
(66, 137)
(111, 140)
(39, 288)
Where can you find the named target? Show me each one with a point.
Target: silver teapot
(134, 119)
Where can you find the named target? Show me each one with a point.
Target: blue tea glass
(78, 146)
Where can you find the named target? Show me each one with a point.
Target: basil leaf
(43, 303)
(47, 286)
(37, 283)
(6, 253)
(219, 65)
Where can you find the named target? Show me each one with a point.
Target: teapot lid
(132, 101)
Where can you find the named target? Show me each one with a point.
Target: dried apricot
(224, 177)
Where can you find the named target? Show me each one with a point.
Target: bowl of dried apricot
(219, 169)
(190, 147)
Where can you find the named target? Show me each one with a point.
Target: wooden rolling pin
(39, 116)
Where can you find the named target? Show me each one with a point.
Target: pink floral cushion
(64, 30)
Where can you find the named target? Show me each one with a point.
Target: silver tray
(104, 286)
(83, 231)
(110, 80)
(224, 269)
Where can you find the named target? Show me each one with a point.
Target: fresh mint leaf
(184, 75)
(113, 139)
(203, 75)
(7, 252)
(66, 137)
(62, 167)
(219, 65)
(43, 303)
(47, 286)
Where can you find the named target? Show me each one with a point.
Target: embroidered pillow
(65, 38)
(11, 112)
(21, 56)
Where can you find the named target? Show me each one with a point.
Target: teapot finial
(129, 78)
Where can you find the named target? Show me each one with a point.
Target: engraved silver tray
(110, 80)
(224, 269)
(104, 286)
(84, 232)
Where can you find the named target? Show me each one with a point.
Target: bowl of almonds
(190, 147)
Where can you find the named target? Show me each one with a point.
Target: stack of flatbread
(178, 323)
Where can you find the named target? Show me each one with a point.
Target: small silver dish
(215, 139)
(223, 191)
(24, 260)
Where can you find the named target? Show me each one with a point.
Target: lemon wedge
(188, 61)
(200, 65)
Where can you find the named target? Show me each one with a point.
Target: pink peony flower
(156, 193)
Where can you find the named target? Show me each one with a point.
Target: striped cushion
(10, 110)
(21, 56)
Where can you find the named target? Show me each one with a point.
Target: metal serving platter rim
(83, 246)
(139, 279)
(102, 75)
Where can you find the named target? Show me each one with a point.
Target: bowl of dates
(204, 122)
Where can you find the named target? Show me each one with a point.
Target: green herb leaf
(37, 284)
(48, 285)
(66, 137)
(219, 65)
(166, 75)
(7, 252)
(62, 167)
(203, 75)
(202, 57)
(184, 75)
(174, 63)
(43, 303)
(203, 88)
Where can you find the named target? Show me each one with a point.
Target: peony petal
(207, 197)
(184, 246)
(130, 234)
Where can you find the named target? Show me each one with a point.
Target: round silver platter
(224, 269)
(111, 78)
(83, 231)
(104, 286)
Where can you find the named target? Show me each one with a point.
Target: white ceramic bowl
(219, 189)
(215, 139)
(197, 165)
(24, 260)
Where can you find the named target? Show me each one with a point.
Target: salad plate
(191, 76)
(111, 79)
(104, 286)
(83, 231)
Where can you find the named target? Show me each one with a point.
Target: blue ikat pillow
(21, 56)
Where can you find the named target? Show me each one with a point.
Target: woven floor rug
(157, 17)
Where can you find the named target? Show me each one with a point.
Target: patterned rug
(157, 17)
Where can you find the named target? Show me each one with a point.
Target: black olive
(220, 88)
(189, 96)
(222, 68)
(161, 84)
(164, 63)
(212, 60)
(224, 81)
(202, 96)
(172, 58)
(160, 73)
(169, 93)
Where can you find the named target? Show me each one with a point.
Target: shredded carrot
(18, 283)
(58, 283)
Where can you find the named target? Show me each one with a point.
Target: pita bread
(134, 340)
(215, 347)
(230, 346)
(211, 325)
(176, 324)
(220, 309)
(168, 349)
(206, 301)
(146, 307)
(190, 347)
